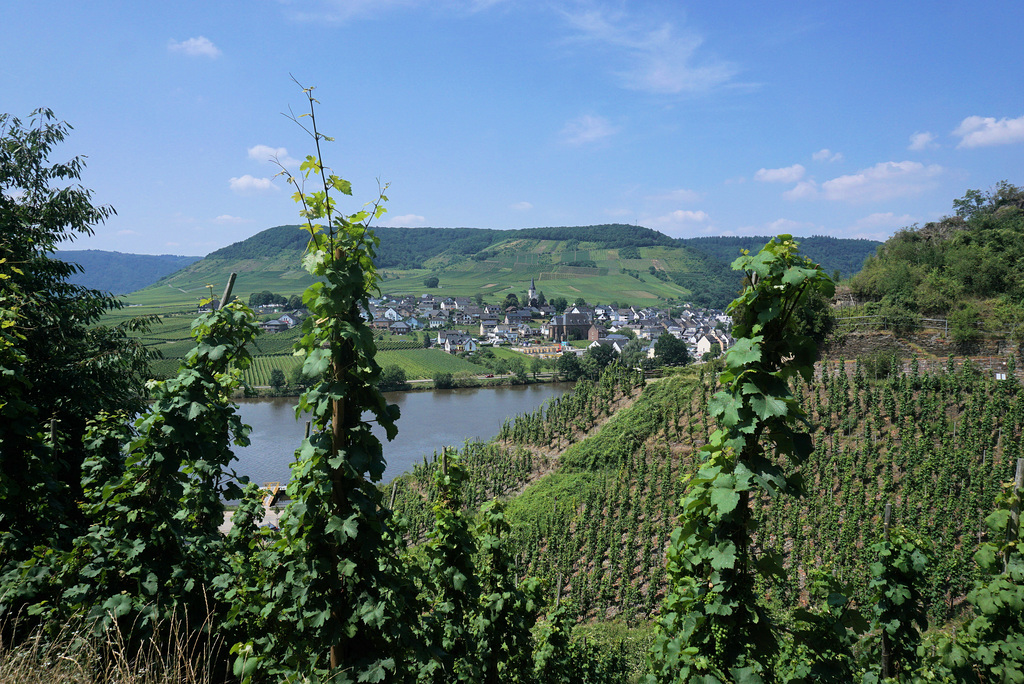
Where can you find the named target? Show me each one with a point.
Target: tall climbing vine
(340, 605)
(713, 627)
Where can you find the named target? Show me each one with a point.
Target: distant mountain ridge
(845, 255)
(119, 273)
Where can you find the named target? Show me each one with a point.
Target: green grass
(425, 363)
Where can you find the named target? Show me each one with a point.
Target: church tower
(532, 294)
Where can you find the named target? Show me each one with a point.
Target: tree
(602, 354)
(443, 381)
(392, 377)
(277, 381)
(518, 368)
(568, 366)
(59, 368)
(541, 300)
(511, 300)
(560, 304)
(295, 302)
(633, 353)
(671, 350)
(431, 282)
(581, 301)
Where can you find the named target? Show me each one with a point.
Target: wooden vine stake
(1014, 527)
(886, 646)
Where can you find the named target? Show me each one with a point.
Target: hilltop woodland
(773, 520)
(969, 268)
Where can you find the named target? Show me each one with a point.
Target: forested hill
(834, 254)
(410, 248)
(119, 273)
(958, 263)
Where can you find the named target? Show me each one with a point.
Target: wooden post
(1014, 527)
(886, 647)
(227, 290)
(394, 493)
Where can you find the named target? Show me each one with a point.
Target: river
(430, 420)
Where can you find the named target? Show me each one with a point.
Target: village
(536, 327)
(462, 324)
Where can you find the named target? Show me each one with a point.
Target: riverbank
(420, 385)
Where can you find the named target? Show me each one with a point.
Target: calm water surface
(430, 421)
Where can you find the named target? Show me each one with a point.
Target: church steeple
(532, 294)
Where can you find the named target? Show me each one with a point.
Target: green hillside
(622, 263)
(935, 442)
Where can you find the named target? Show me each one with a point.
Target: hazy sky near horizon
(728, 118)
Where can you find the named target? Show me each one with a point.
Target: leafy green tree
(602, 355)
(633, 353)
(295, 302)
(518, 368)
(277, 380)
(431, 282)
(581, 301)
(671, 350)
(443, 380)
(560, 304)
(392, 377)
(60, 367)
(510, 300)
(568, 366)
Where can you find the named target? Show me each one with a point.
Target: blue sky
(727, 118)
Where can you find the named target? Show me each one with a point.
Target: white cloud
(228, 219)
(249, 183)
(657, 57)
(789, 174)
(680, 195)
(679, 217)
(127, 232)
(405, 221)
(521, 206)
(195, 47)
(976, 131)
(922, 141)
(882, 181)
(266, 153)
(587, 129)
(802, 190)
(827, 155)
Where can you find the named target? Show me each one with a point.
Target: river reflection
(430, 421)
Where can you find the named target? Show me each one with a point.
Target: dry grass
(74, 656)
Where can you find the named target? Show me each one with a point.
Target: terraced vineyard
(935, 443)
